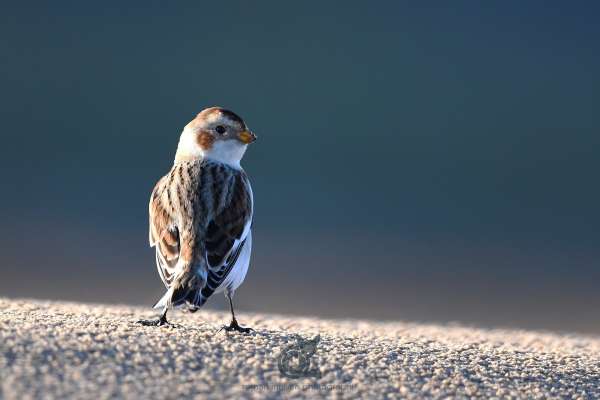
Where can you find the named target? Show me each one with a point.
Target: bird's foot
(160, 321)
(234, 326)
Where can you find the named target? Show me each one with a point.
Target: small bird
(201, 215)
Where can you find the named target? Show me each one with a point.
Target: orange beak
(246, 137)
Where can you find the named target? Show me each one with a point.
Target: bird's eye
(220, 129)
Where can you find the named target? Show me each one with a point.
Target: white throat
(228, 152)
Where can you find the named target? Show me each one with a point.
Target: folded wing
(226, 233)
(164, 234)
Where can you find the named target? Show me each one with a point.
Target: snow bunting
(201, 214)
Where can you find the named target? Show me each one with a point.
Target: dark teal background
(430, 161)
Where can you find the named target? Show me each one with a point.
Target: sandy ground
(68, 350)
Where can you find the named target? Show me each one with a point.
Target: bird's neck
(229, 152)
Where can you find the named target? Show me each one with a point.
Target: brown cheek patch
(205, 140)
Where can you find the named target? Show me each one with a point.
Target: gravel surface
(69, 350)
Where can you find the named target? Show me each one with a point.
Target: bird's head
(215, 133)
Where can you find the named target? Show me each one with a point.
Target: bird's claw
(161, 321)
(234, 326)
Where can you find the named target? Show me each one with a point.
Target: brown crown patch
(227, 113)
(205, 140)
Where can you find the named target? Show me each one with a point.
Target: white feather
(228, 152)
(237, 274)
(164, 301)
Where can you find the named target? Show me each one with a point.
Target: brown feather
(230, 114)
(205, 140)
(197, 213)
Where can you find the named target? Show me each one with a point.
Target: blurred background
(418, 162)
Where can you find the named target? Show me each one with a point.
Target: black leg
(160, 321)
(234, 326)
